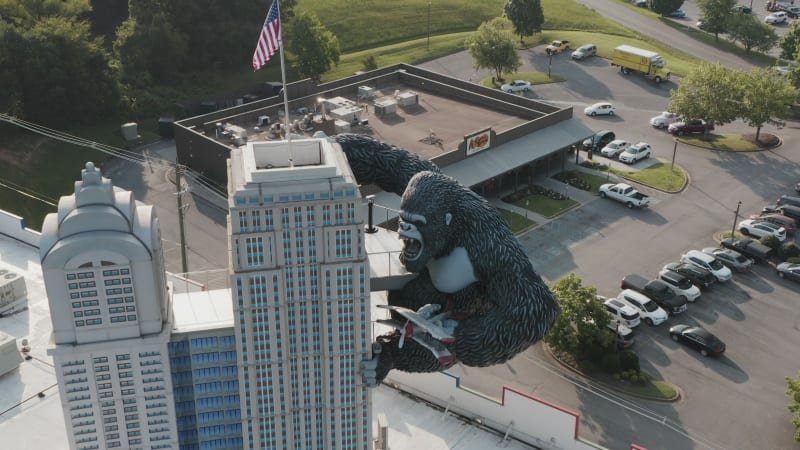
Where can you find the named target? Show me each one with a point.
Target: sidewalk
(579, 195)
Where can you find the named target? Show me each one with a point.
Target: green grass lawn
(542, 205)
(724, 142)
(658, 176)
(517, 222)
(595, 181)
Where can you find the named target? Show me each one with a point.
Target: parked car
(626, 314)
(680, 284)
(788, 200)
(516, 86)
(731, 258)
(792, 11)
(614, 148)
(664, 119)
(750, 227)
(690, 126)
(635, 153)
(749, 248)
(787, 223)
(702, 278)
(557, 47)
(584, 51)
(709, 263)
(657, 291)
(598, 140)
(788, 270)
(785, 210)
(701, 24)
(678, 13)
(648, 309)
(698, 338)
(640, 3)
(599, 109)
(742, 9)
(797, 187)
(776, 18)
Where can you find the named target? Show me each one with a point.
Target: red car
(690, 126)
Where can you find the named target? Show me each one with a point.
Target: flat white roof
(201, 310)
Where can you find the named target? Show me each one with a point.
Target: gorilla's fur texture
(498, 316)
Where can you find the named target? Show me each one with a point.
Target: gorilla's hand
(369, 367)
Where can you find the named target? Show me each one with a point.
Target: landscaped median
(733, 142)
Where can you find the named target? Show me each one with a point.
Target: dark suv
(702, 278)
(598, 140)
(690, 126)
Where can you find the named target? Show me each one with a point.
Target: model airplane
(422, 338)
(435, 325)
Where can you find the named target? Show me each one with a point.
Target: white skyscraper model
(300, 288)
(103, 269)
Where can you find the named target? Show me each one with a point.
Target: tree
(57, 73)
(526, 16)
(767, 97)
(710, 92)
(582, 328)
(664, 7)
(150, 50)
(716, 14)
(751, 32)
(790, 42)
(492, 47)
(793, 391)
(314, 47)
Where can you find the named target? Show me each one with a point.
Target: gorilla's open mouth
(412, 248)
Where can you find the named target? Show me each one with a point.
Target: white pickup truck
(626, 194)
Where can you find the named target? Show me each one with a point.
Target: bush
(610, 363)
(369, 63)
(586, 366)
(574, 179)
(788, 250)
(628, 360)
(771, 241)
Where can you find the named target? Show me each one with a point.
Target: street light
(549, 63)
(735, 218)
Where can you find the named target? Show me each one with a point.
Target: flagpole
(285, 95)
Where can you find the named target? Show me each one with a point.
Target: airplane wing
(433, 326)
(424, 339)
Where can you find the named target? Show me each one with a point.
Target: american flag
(270, 39)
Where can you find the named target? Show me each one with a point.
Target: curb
(678, 390)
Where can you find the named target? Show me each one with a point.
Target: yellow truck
(632, 60)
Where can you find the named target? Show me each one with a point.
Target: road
(650, 27)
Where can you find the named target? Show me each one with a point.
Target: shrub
(788, 250)
(610, 363)
(616, 377)
(628, 360)
(369, 63)
(771, 241)
(586, 366)
(574, 179)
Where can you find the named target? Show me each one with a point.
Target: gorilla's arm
(373, 161)
(523, 311)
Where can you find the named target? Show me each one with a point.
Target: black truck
(749, 247)
(656, 290)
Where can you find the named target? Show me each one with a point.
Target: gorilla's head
(426, 218)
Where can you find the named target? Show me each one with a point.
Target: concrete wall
(14, 227)
(535, 422)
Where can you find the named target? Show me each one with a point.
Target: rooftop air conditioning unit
(13, 291)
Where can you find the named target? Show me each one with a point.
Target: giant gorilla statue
(489, 303)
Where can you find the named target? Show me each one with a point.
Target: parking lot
(733, 402)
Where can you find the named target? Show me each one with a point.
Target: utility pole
(674, 150)
(735, 218)
(429, 25)
(180, 191)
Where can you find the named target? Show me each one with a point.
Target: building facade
(103, 269)
(300, 291)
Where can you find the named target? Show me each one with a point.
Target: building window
(255, 251)
(344, 243)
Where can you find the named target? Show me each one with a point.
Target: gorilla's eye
(417, 219)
